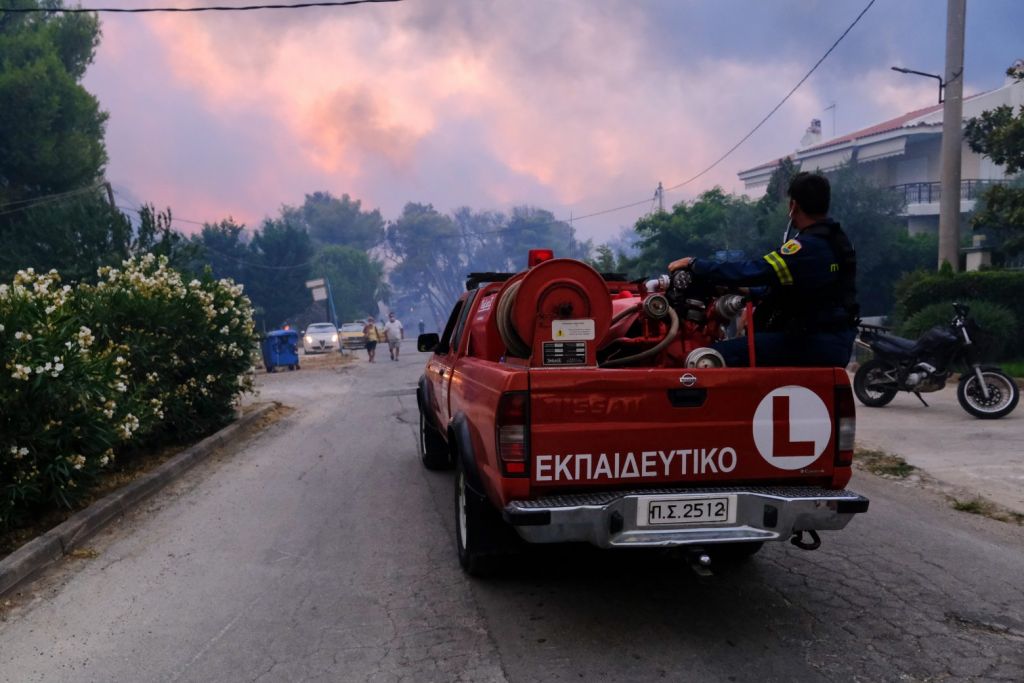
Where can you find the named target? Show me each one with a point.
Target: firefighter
(808, 312)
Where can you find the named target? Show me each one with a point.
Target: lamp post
(937, 77)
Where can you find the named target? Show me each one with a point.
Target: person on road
(808, 312)
(372, 335)
(394, 333)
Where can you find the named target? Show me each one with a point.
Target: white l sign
(792, 427)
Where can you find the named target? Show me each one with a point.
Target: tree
(224, 248)
(712, 223)
(432, 256)
(330, 220)
(280, 256)
(999, 135)
(356, 280)
(53, 213)
(76, 236)
(871, 216)
(51, 128)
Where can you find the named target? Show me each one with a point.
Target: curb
(65, 537)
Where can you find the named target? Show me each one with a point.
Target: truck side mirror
(427, 342)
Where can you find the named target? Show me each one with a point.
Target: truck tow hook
(700, 563)
(799, 542)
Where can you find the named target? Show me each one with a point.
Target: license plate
(684, 510)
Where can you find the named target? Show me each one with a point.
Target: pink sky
(574, 107)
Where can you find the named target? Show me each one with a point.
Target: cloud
(575, 107)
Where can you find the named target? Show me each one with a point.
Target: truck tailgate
(610, 427)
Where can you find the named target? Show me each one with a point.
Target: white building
(904, 153)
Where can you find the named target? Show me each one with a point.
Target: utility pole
(660, 194)
(572, 238)
(952, 124)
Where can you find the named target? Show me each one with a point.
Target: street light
(921, 73)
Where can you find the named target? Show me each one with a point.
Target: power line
(745, 137)
(781, 102)
(46, 199)
(205, 8)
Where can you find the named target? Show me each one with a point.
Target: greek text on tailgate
(630, 465)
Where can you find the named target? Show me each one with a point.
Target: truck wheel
(433, 448)
(475, 527)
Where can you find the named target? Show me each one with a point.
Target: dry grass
(883, 464)
(986, 508)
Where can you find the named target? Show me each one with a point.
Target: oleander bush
(91, 373)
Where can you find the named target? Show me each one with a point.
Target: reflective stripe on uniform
(780, 268)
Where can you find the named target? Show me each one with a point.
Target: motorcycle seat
(891, 344)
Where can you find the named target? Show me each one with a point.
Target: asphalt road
(322, 551)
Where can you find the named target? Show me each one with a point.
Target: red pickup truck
(577, 406)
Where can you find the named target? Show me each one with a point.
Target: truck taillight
(846, 426)
(513, 433)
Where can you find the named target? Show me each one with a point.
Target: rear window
(321, 327)
(351, 327)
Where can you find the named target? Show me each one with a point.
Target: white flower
(85, 338)
(1, 327)
(77, 461)
(21, 371)
(22, 336)
(50, 309)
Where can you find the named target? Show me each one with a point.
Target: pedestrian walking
(394, 334)
(372, 335)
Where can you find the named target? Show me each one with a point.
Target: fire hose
(506, 330)
(673, 329)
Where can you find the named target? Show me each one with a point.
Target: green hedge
(1001, 287)
(93, 372)
(998, 325)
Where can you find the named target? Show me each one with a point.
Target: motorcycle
(924, 365)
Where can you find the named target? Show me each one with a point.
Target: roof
(902, 121)
(877, 129)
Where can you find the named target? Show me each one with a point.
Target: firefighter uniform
(808, 314)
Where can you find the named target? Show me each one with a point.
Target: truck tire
(475, 528)
(433, 449)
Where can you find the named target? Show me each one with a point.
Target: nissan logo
(688, 380)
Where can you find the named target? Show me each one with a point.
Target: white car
(320, 338)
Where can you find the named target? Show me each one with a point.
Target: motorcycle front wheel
(1003, 394)
(869, 384)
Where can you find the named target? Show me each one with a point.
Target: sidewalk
(985, 457)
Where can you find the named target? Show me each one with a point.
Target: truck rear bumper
(609, 519)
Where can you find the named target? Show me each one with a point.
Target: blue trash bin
(281, 349)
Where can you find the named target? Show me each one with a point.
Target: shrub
(94, 372)
(188, 345)
(65, 400)
(997, 324)
(1002, 287)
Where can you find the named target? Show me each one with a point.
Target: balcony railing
(928, 193)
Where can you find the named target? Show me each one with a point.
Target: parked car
(320, 338)
(351, 335)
